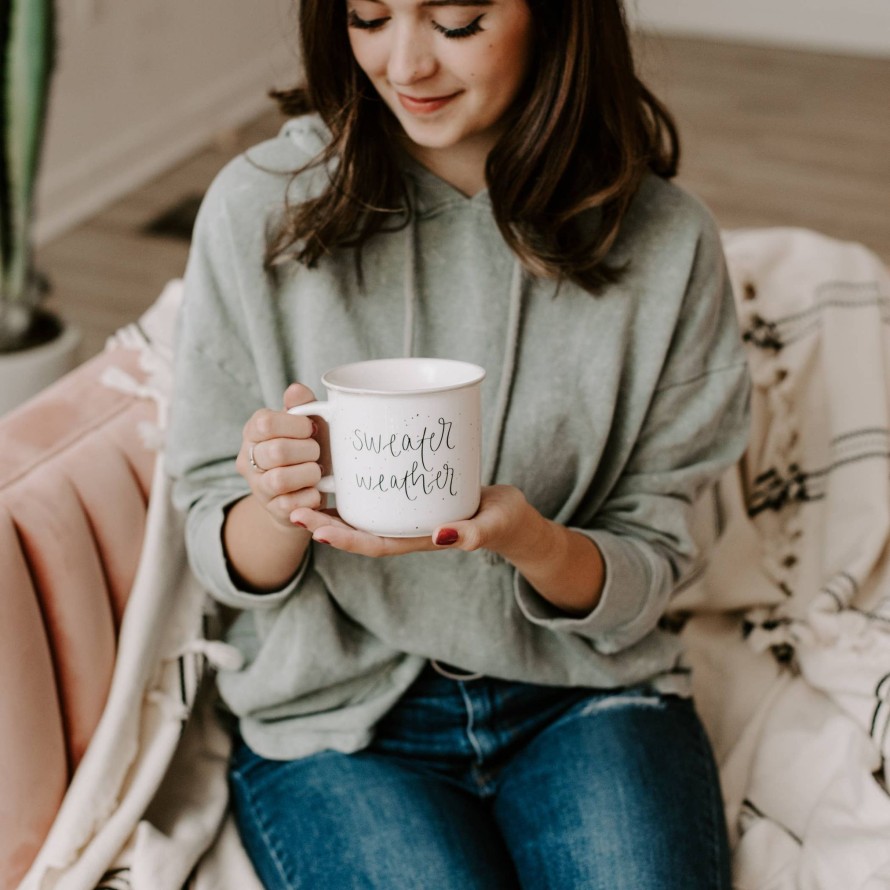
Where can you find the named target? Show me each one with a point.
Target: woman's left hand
(564, 566)
(502, 511)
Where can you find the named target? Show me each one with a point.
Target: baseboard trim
(74, 192)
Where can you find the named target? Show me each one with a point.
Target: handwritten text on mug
(422, 475)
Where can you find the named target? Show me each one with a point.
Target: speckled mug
(406, 443)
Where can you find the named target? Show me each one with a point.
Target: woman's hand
(501, 509)
(563, 565)
(263, 548)
(286, 452)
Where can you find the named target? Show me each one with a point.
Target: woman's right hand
(287, 451)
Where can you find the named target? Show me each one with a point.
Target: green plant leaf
(28, 60)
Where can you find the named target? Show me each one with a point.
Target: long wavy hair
(582, 135)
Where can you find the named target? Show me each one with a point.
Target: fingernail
(446, 536)
(321, 541)
(314, 429)
(300, 524)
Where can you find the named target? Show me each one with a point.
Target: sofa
(787, 626)
(74, 486)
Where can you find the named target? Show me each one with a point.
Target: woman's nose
(411, 56)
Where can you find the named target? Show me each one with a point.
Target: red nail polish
(446, 536)
(321, 541)
(300, 524)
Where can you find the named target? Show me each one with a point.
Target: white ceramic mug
(406, 443)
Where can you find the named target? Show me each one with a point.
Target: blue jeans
(492, 784)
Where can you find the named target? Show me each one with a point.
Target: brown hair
(583, 134)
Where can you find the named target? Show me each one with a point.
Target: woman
(497, 705)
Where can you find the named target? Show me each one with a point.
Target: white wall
(140, 84)
(845, 26)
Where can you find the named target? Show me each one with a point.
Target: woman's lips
(425, 106)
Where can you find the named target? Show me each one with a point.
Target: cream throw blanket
(788, 628)
(790, 634)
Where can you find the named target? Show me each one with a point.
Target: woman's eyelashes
(364, 24)
(468, 30)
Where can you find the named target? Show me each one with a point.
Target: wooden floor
(771, 138)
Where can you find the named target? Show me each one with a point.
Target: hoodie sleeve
(696, 426)
(216, 387)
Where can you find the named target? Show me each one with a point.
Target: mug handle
(323, 410)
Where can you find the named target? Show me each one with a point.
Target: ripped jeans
(487, 784)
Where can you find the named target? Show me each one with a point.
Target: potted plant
(35, 345)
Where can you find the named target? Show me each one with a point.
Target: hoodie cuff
(214, 567)
(629, 605)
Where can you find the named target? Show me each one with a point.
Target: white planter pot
(23, 374)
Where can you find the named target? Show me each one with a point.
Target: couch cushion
(74, 483)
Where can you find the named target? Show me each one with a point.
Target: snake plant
(27, 58)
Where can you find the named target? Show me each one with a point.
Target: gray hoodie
(610, 413)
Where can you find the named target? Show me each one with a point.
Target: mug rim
(475, 374)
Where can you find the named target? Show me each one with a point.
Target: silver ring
(250, 459)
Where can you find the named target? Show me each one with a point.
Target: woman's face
(449, 70)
